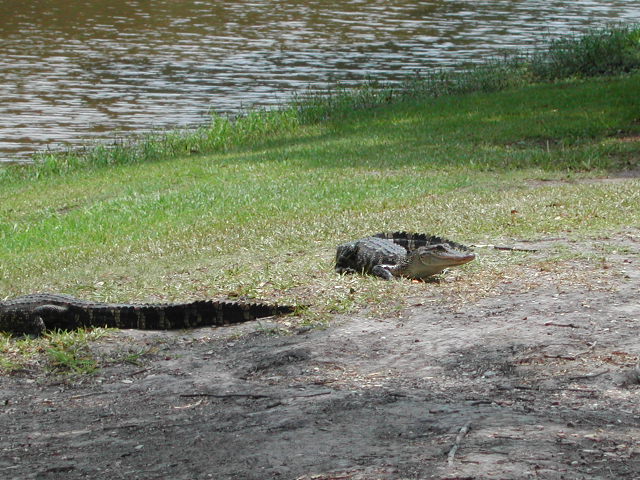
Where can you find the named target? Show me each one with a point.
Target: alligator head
(433, 259)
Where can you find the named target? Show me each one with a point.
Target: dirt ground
(532, 380)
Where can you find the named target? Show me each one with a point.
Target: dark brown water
(77, 71)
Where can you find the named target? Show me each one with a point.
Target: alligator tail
(228, 312)
(173, 316)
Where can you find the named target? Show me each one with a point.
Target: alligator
(33, 314)
(401, 254)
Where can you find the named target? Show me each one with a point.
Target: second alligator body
(34, 313)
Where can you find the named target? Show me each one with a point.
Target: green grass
(601, 52)
(264, 220)
(261, 217)
(607, 51)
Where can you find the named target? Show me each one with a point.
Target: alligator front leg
(42, 318)
(383, 271)
(22, 323)
(34, 326)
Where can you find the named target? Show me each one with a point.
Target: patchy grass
(264, 221)
(263, 218)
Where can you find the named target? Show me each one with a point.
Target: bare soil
(532, 379)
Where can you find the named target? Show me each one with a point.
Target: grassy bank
(264, 219)
(609, 51)
(261, 217)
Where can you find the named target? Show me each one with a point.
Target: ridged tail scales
(37, 312)
(171, 316)
(411, 241)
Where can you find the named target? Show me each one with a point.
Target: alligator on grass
(386, 255)
(401, 254)
(35, 313)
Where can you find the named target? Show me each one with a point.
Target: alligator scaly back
(411, 240)
(32, 314)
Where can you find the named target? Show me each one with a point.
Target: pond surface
(78, 71)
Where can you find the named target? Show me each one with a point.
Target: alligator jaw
(433, 259)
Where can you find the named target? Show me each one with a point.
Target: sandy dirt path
(537, 382)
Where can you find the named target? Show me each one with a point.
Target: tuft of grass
(16, 355)
(63, 352)
(72, 361)
(608, 51)
(135, 358)
(68, 352)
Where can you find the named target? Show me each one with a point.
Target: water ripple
(77, 71)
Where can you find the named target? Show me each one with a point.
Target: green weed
(68, 351)
(59, 352)
(73, 361)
